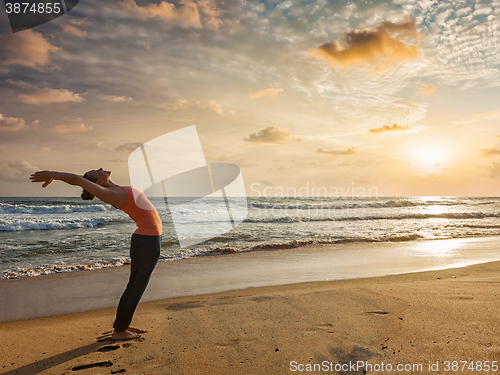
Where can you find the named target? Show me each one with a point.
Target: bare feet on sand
(136, 330)
(124, 335)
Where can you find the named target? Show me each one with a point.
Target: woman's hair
(85, 194)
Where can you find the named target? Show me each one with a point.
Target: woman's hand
(42, 176)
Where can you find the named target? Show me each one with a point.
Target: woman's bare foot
(124, 335)
(136, 330)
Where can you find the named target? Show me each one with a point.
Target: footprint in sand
(108, 348)
(96, 364)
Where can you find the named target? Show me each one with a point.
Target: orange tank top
(146, 217)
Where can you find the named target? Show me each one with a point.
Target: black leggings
(144, 255)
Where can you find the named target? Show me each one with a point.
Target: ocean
(50, 235)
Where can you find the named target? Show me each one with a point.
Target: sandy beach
(411, 323)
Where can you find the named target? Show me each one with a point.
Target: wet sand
(415, 319)
(81, 291)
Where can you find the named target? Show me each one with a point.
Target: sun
(430, 156)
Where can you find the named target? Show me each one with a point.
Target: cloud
(63, 129)
(212, 14)
(27, 48)
(492, 115)
(387, 128)
(427, 89)
(16, 170)
(35, 95)
(11, 124)
(182, 104)
(270, 135)
(130, 146)
(489, 152)
(73, 30)
(349, 151)
(495, 170)
(188, 12)
(268, 92)
(380, 47)
(116, 99)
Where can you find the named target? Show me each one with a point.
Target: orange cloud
(269, 135)
(35, 95)
(268, 92)
(489, 152)
(380, 47)
(349, 151)
(62, 129)
(27, 48)
(116, 99)
(188, 12)
(427, 89)
(73, 30)
(387, 128)
(11, 124)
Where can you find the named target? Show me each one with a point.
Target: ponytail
(85, 194)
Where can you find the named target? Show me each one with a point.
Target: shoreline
(73, 292)
(419, 318)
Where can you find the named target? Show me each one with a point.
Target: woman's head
(98, 176)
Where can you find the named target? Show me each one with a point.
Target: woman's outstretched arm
(110, 196)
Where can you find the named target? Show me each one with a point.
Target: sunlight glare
(430, 156)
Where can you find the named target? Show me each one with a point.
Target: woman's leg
(144, 254)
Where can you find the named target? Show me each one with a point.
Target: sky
(308, 98)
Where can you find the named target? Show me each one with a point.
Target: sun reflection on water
(440, 248)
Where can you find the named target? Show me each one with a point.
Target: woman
(146, 240)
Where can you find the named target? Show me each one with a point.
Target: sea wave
(215, 250)
(448, 215)
(13, 225)
(20, 272)
(6, 208)
(341, 204)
